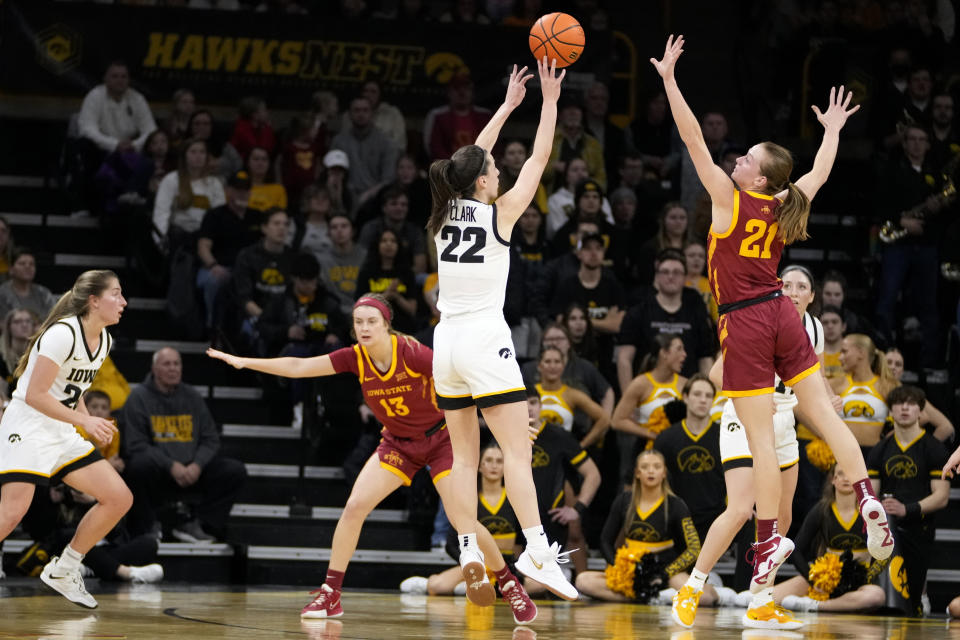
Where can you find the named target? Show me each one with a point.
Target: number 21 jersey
(65, 344)
(743, 260)
(473, 260)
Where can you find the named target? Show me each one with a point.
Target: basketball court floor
(29, 611)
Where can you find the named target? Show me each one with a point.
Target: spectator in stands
(264, 192)
(172, 450)
(672, 233)
(597, 123)
(224, 232)
(863, 389)
(456, 124)
(310, 230)
(597, 290)
(307, 320)
(336, 178)
(559, 401)
(691, 449)
(696, 256)
(465, 12)
(890, 97)
(669, 308)
(185, 195)
(945, 142)
(530, 238)
(252, 128)
(385, 117)
(372, 156)
(177, 125)
(834, 293)
(834, 329)
(583, 339)
(19, 325)
(301, 158)
(6, 249)
(113, 116)
(324, 117)
(914, 110)
(262, 270)
(21, 291)
(909, 467)
(911, 264)
(554, 451)
(223, 158)
(591, 206)
(387, 270)
(931, 419)
(394, 207)
(578, 373)
(651, 137)
(340, 266)
(558, 269)
(714, 126)
(412, 180)
(98, 405)
(561, 204)
(572, 141)
(648, 191)
(515, 153)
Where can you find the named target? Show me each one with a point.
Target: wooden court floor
(188, 613)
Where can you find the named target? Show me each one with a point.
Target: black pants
(916, 540)
(135, 552)
(153, 487)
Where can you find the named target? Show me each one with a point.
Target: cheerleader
(864, 388)
(559, 402)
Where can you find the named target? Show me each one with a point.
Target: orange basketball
(558, 36)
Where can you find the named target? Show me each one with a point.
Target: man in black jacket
(171, 447)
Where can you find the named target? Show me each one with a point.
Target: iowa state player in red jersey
(753, 217)
(396, 377)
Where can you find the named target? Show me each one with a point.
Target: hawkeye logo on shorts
(505, 353)
(14, 438)
(732, 426)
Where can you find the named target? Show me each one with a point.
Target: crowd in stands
(280, 226)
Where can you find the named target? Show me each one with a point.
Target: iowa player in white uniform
(474, 363)
(736, 459)
(38, 443)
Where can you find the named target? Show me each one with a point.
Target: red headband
(376, 304)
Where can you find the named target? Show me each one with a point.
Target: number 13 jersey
(64, 343)
(473, 260)
(743, 260)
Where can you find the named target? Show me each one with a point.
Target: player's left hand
(837, 112)
(516, 87)
(231, 360)
(564, 515)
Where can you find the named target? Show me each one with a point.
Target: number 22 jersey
(743, 260)
(473, 260)
(65, 344)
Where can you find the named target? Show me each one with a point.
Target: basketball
(558, 36)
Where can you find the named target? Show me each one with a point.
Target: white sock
(536, 538)
(696, 579)
(762, 597)
(468, 541)
(69, 560)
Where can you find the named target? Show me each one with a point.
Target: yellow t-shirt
(267, 196)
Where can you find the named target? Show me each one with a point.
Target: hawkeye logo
(898, 576)
(58, 48)
(14, 438)
(329, 60)
(644, 532)
(732, 426)
(858, 409)
(900, 467)
(844, 541)
(540, 457)
(497, 525)
(505, 353)
(695, 460)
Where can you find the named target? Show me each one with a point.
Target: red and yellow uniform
(403, 400)
(760, 331)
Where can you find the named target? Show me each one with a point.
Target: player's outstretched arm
(516, 90)
(513, 203)
(714, 180)
(284, 367)
(832, 120)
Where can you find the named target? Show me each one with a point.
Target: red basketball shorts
(404, 456)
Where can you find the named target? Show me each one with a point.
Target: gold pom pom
(820, 455)
(824, 576)
(620, 575)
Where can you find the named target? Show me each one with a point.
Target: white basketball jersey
(473, 260)
(64, 343)
(783, 397)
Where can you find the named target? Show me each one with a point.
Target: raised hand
(953, 465)
(516, 87)
(549, 81)
(671, 52)
(231, 360)
(837, 112)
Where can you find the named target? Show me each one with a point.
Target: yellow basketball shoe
(685, 604)
(770, 616)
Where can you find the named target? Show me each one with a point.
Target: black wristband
(581, 509)
(914, 512)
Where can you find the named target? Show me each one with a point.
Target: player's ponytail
(74, 302)
(794, 212)
(453, 178)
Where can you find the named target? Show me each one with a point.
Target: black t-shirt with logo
(694, 470)
(905, 469)
(552, 449)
